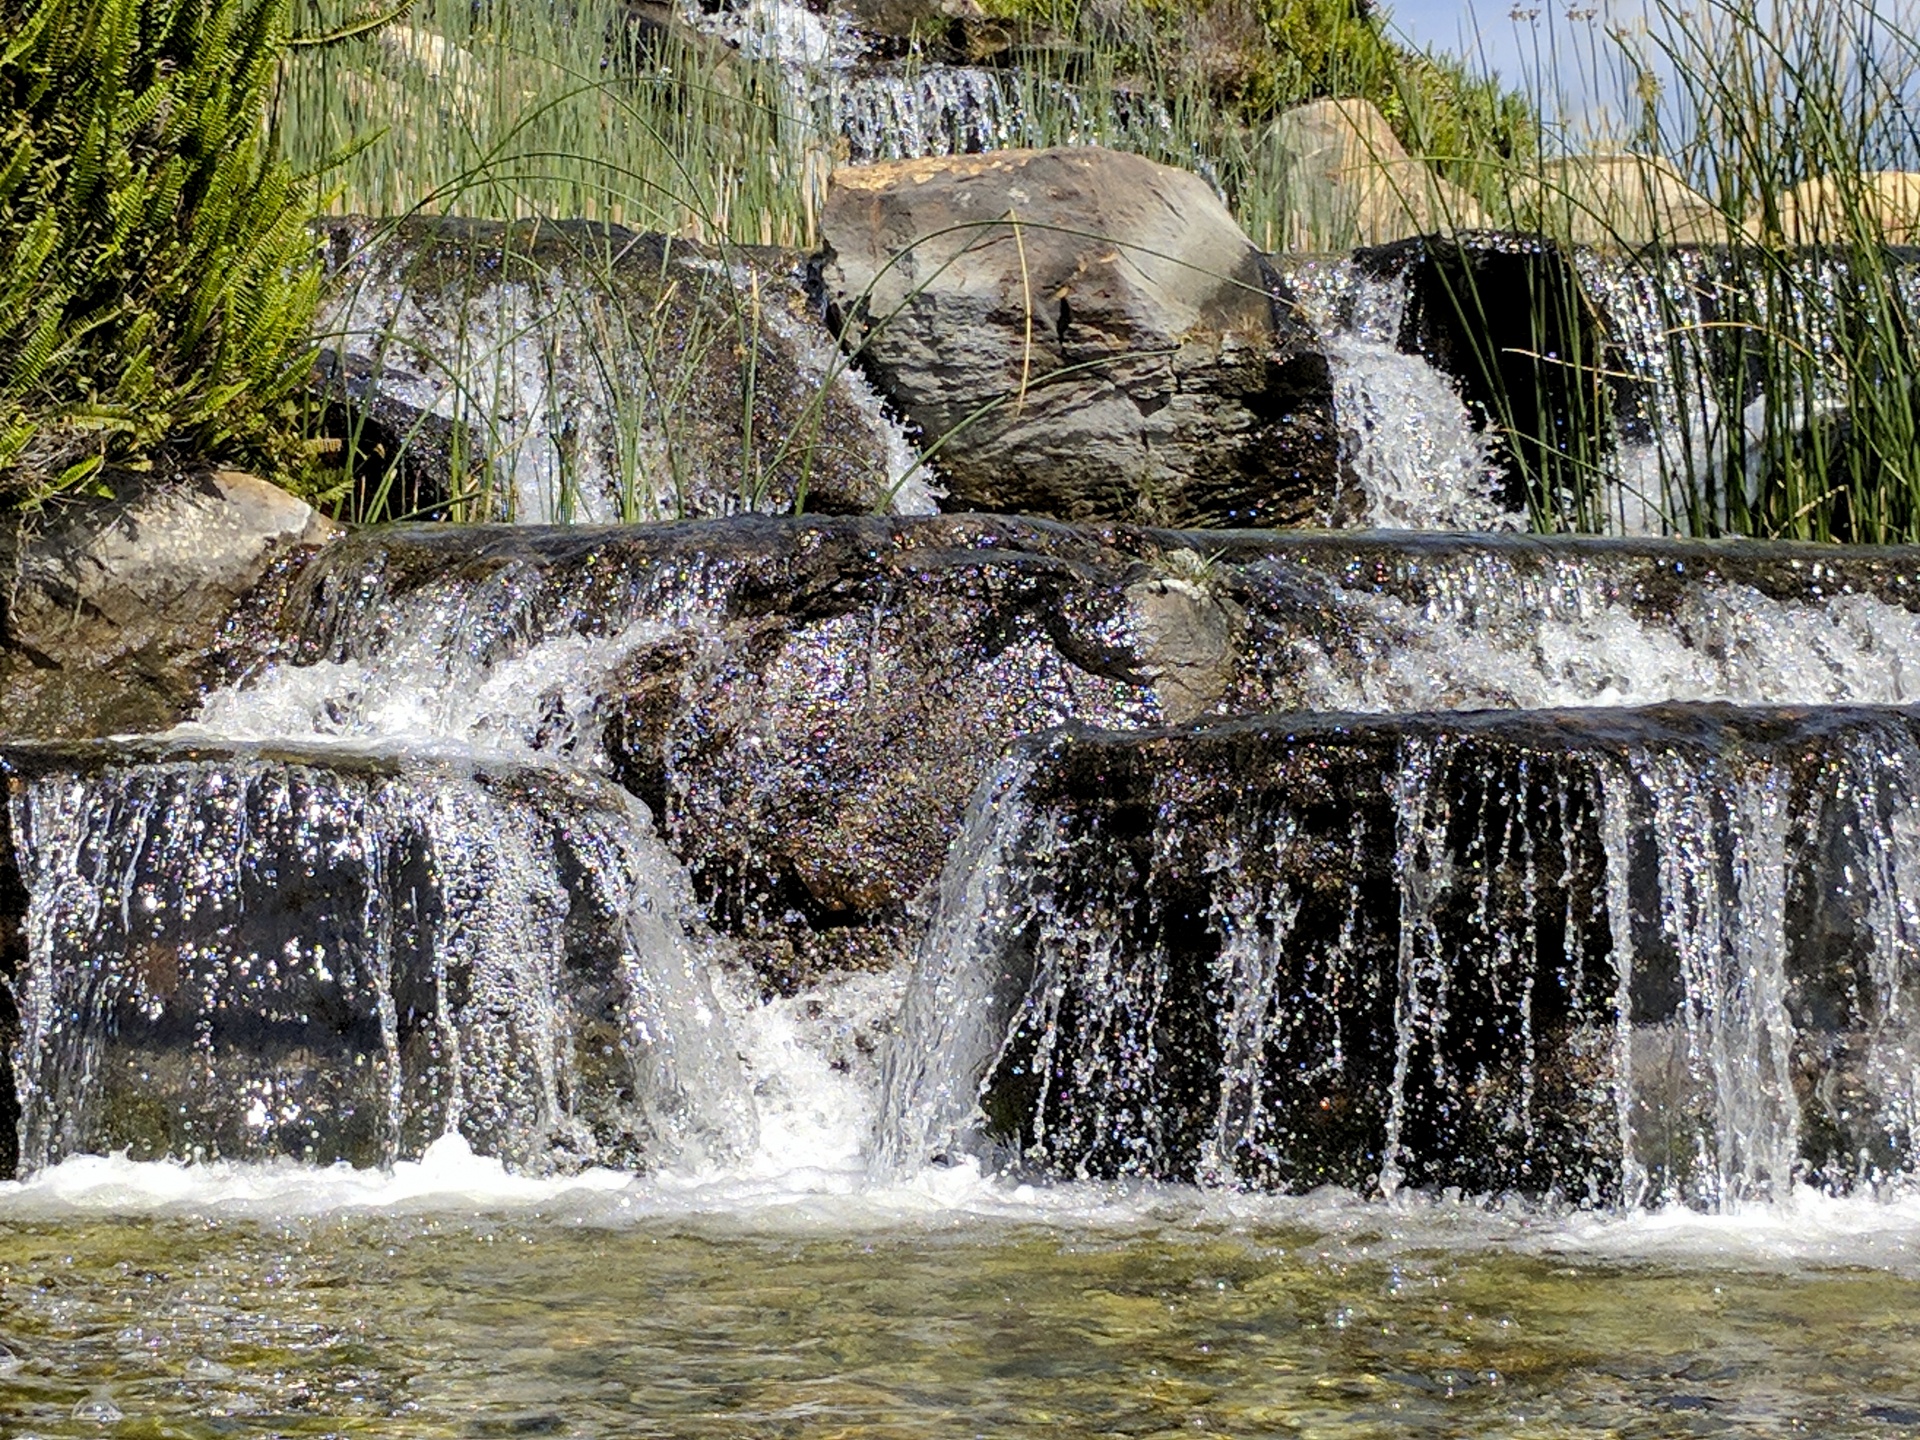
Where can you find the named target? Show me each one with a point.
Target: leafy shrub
(156, 274)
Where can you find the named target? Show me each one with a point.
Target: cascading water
(1263, 985)
(938, 110)
(1405, 432)
(1600, 954)
(334, 955)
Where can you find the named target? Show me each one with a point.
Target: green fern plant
(157, 277)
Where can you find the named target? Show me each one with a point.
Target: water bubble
(100, 1409)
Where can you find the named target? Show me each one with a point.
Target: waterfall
(338, 956)
(1587, 955)
(1407, 436)
(936, 110)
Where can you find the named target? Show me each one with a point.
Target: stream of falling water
(1406, 435)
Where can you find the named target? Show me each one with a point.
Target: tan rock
(115, 603)
(1823, 211)
(1346, 180)
(1620, 200)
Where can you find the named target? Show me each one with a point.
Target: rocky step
(1609, 956)
(808, 704)
(242, 953)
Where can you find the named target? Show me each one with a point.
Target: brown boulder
(1346, 180)
(1620, 200)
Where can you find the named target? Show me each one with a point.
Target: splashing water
(1562, 952)
(1406, 435)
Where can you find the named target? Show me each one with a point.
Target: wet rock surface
(808, 705)
(1469, 950)
(247, 953)
(1244, 946)
(601, 374)
(111, 605)
(1508, 318)
(1083, 334)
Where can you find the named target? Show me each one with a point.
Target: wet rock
(403, 462)
(1348, 181)
(950, 30)
(1508, 318)
(602, 374)
(808, 705)
(252, 954)
(1605, 956)
(112, 605)
(1083, 334)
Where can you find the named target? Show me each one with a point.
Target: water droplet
(100, 1410)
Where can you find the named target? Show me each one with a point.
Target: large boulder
(1345, 180)
(1881, 205)
(1082, 334)
(111, 605)
(1621, 200)
(601, 374)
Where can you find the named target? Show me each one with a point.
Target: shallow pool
(184, 1309)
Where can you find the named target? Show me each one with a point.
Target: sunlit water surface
(448, 1299)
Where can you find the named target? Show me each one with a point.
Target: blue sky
(1547, 47)
(1517, 38)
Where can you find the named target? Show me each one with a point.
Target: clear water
(449, 1305)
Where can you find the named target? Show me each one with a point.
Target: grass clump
(156, 274)
(1781, 298)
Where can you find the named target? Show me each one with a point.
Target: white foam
(425, 692)
(1808, 1230)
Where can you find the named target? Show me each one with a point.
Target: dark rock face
(808, 705)
(1082, 334)
(1606, 955)
(1509, 318)
(403, 461)
(596, 373)
(242, 954)
(112, 605)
